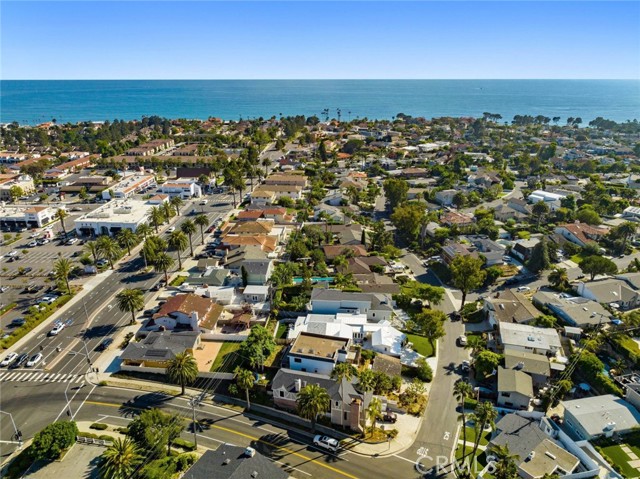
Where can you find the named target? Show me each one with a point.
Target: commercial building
(27, 216)
(184, 188)
(112, 217)
(596, 416)
(129, 186)
(9, 181)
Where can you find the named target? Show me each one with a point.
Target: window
(345, 415)
(297, 360)
(281, 394)
(506, 395)
(373, 315)
(337, 403)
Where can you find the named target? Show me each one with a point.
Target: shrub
(184, 444)
(367, 354)
(127, 339)
(99, 426)
(184, 461)
(392, 434)
(106, 437)
(90, 435)
(123, 430)
(424, 371)
(54, 439)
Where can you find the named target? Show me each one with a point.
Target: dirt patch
(206, 353)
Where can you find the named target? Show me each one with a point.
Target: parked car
(204, 202)
(33, 244)
(465, 366)
(106, 342)
(35, 359)
(326, 442)
(390, 416)
(19, 361)
(28, 269)
(102, 262)
(171, 229)
(12, 253)
(57, 329)
(462, 340)
(523, 289)
(4, 288)
(18, 322)
(8, 359)
(72, 241)
(43, 241)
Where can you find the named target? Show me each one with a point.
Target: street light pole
(194, 402)
(69, 413)
(17, 432)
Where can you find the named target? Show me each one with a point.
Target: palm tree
(108, 249)
(183, 369)
(201, 221)
(485, 414)
(366, 380)
(168, 211)
(130, 301)
(91, 247)
(374, 412)
(162, 262)
(343, 372)
(62, 269)
(312, 400)
(266, 162)
(143, 230)
(156, 217)
(178, 241)
(188, 227)
(463, 390)
(626, 230)
(619, 366)
(176, 202)
(505, 464)
(127, 239)
(61, 215)
(558, 277)
(245, 380)
(120, 460)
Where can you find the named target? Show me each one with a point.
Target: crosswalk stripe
(78, 379)
(62, 378)
(21, 376)
(38, 376)
(9, 376)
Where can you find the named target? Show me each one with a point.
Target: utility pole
(17, 433)
(194, 402)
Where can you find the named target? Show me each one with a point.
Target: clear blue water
(28, 101)
(315, 279)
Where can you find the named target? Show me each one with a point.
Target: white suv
(326, 442)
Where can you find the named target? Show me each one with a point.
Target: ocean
(32, 102)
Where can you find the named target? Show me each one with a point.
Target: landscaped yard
(471, 436)
(420, 344)
(621, 459)
(577, 258)
(227, 358)
(282, 331)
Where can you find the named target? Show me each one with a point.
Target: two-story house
(317, 353)
(377, 307)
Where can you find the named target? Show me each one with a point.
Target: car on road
(33, 244)
(8, 359)
(35, 359)
(506, 259)
(57, 329)
(326, 442)
(204, 202)
(104, 344)
(43, 241)
(19, 361)
(4, 288)
(171, 229)
(76, 209)
(462, 340)
(523, 289)
(72, 241)
(13, 253)
(390, 416)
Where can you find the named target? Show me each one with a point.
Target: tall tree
(374, 412)
(312, 400)
(431, 324)
(127, 238)
(168, 211)
(61, 214)
(61, 270)
(177, 203)
(130, 301)
(153, 429)
(539, 211)
(108, 249)
(462, 390)
(484, 415)
(595, 265)
(505, 465)
(539, 260)
(245, 380)
(179, 242)
(395, 190)
(201, 221)
(143, 230)
(467, 274)
(188, 227)
(120, 460)
(182, 369)
(91, 247)
(163, 262)
(156, 217)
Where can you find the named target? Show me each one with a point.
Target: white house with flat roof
(522, 337)
(112, 217)
(128, 186)
(596, 416)
(184, 188)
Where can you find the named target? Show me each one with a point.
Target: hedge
(8, 308)
(99, 426)
(33, 320)
(184, 444)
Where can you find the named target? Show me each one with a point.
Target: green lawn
(471, 436)
(282, 331)
(577, 258)
(227, 358)
(421, 344)
(620, 458)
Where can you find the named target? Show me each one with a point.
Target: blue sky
(255, 40)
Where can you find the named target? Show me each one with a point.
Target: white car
(326, 442)
(523, 289)
(72, 241)
(34, 235)
(462, 340)
(8, 359)
(13, 253)
(203, 202)
(33, 244)
(57, 329)
(43, 241)
(35, 359)
(171, 229)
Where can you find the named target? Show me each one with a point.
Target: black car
(28, 269)
(106, 342)
(20, 361)
(390, 416)
(18, 322)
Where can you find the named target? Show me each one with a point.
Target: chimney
(298, 385)
(354, 416)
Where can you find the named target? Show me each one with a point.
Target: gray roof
(527, 362)
(230, 462)
(521, 434)
(632, 279)
(513, 380)
(594, 413)
(211, 277)
(512, 307)
(287, 378)
(257, 266)
(378, 301)
(161, 345)
(577, 309)
(611, 290)
(244, 253)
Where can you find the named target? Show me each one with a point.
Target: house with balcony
(316, 353)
